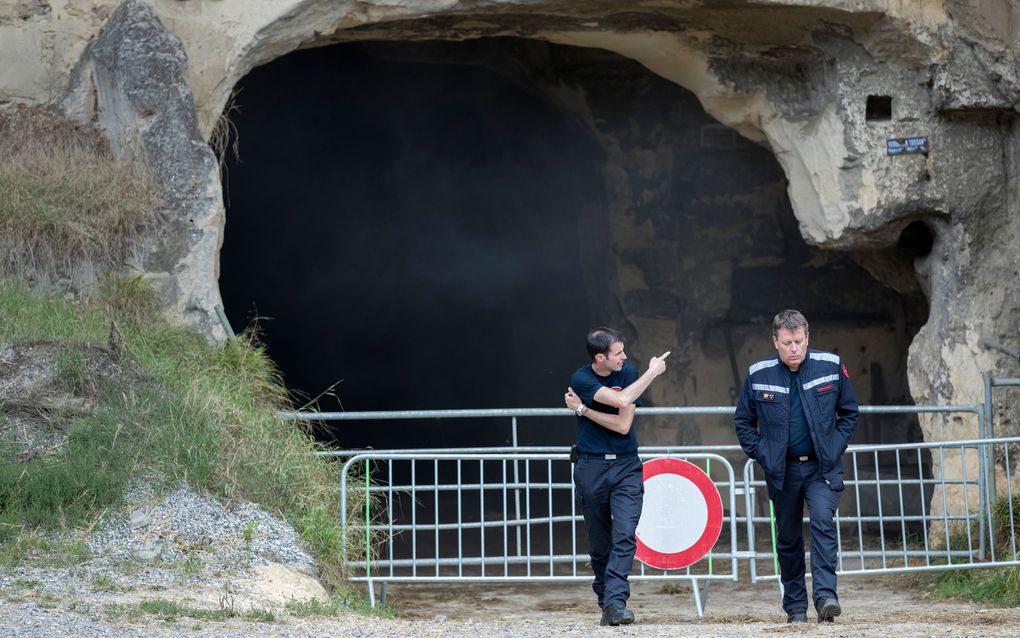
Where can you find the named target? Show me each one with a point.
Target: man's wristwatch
(580, 410)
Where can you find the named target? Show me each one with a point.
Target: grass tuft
(345, 600)
(67, 207)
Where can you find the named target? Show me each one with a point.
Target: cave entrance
(436, 224)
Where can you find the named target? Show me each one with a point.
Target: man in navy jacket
(795, 416)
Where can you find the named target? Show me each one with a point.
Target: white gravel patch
(196, 550)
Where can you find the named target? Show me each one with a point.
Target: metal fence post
(517, 490)
(988, 434)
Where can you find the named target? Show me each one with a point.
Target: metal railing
(440, 517)
(893, 521)
(509, 514)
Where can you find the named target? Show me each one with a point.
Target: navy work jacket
(762, 417)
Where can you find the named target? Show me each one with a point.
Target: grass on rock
(208, 417)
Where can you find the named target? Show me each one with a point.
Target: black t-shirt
(592, 437)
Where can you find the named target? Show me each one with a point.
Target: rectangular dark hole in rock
(879, 108)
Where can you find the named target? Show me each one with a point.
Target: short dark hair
(790, 320)
(601, 339)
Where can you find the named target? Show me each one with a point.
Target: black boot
(828, 609)
(614, 615)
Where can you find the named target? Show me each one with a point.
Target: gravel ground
(195, 551)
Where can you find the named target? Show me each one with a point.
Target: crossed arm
(619, 423)
(623, 400)
(620, 399)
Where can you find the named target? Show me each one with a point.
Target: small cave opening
(878, 108)
(916, 240)
(435, 225)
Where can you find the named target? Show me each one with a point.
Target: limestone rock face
(131, 82)
(822, 85)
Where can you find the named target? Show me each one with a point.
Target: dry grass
(67, 207)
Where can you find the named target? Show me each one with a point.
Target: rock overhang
(794, 77)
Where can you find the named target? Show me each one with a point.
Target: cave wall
(791, 77)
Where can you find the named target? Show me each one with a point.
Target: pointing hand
(658, 364)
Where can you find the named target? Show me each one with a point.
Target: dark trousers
(610, 493)
(804, 484)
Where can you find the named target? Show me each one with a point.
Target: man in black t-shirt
(607, 475)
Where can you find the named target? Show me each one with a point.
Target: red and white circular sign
(681, 517)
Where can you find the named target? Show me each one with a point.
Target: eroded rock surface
(795, 78)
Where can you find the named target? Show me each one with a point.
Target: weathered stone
(14, 11)
(791, 77)
(131, 82)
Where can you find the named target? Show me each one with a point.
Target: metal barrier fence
(893, 521)
(508, 514)
(495, 517)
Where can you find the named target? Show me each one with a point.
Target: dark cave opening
(422, 226)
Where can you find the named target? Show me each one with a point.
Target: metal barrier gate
(890, 522)
(496, 517)
(509, 514)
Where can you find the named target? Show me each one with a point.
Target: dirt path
(888, 606)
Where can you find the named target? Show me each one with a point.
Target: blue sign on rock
(907, 145)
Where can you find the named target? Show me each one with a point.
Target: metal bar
(924, 522)
(749, 505)
(644, 452)
(697, 597)
(389, 540)
(1009, 495)
(878, 501)
(990, 461)
(517, 494)
(839, 541)
(718, 484)
(775, 552)
(903, 515)
(368, 519)
(995, 345)
(945, 503)
(564, 558)
(573, 521)
(527, 511)
(984, 466)
(857, 494)
(377, 415)
(966, 503)
(549, 490)
(506, 530)
(699, 455)
(708, 472)
(544, 520)
(531, 579)
(343, 502)
(435, 512)
(414, 515)
(989, 506)
(222, 316)
(481, 512)
(460, 522)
